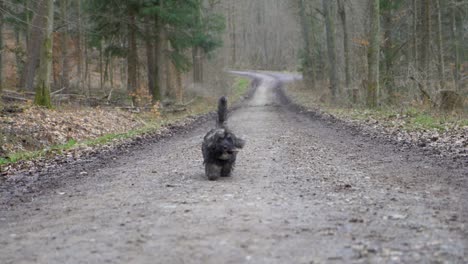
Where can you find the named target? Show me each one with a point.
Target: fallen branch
(424, 93)
(14, 98)
(56, 92)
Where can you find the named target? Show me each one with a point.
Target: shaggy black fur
(220, 146)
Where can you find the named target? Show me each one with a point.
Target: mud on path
(303, 192)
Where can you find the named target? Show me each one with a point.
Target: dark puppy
(220, 146)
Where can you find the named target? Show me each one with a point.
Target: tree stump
(450, 100)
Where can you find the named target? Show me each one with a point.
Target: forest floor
(32, 137)
(443, 134)
(306, 189)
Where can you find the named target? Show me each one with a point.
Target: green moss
(428, 122)
(200, 106)
(240, 87)
(42, 97)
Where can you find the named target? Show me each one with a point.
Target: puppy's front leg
(226, 170)
(212, 171)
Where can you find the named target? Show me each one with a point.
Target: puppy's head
(223, 144)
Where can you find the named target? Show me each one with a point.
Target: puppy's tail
(222, 111)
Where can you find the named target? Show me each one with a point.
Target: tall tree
(373, 88)
(1, 49)
(426, 33)
(307, 64)
(132, 53)
(347, 55)
(329, 14)
(1, 46)
(42, 96)
(151, 61)
(440, 52)
(390, 52)
(35, 38)
(456, 29)
(64, 76)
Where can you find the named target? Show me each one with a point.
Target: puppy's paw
(226, 170)
(212, 171)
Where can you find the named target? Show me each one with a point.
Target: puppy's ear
(239, 142)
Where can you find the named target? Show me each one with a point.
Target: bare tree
(373, 87)
(1, 50)
(64, 78)
(329, 14)
(308, 68)
(440, 53)
(347, 55)
(42, 96)
(35, 39)
(132, 55)
(151, 62)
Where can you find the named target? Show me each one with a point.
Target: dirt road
(303, 192)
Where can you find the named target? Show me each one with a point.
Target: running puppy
(220, 146)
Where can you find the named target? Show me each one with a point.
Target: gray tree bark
(1, 47)
(132, 57)
(42, 97)
(347, 55)
(440, 53)
(1, 50)
(64, 78)
(34, 46)
(455, 30)
(308, 70)
(373, 87)
(329, 14)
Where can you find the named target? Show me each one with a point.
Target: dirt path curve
(303, 192)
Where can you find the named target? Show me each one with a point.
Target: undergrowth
(152, 123)
(409, 118)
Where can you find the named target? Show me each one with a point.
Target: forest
(383, 52)
(159, 55)
(233, 131)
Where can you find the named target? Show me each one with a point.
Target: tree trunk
(440, 53)
(111, 71)
(161, 56)
(347, 55)
(426, 32)
(101, 66)
(389, 79)
(455, 30)
(132, 57)
(197, 58)
(179, 86)
(64, 80)
(197, 52)
(1, 50)
(374, 51)
(34, 47)
(415, 32)
(27, 7)
(308, 68)
(80, 47)
(42, 96)
(329, 13)
(87, 72)
(151, 61)
(233, 33)
(18, 54)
